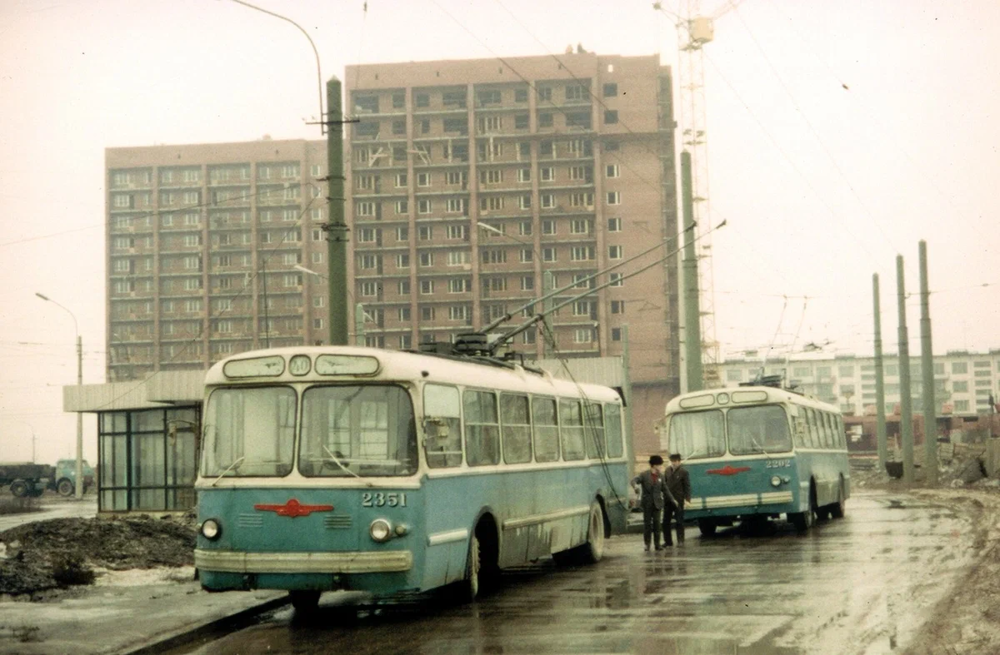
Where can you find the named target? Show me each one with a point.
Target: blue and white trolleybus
(759, 452)
(390, 472)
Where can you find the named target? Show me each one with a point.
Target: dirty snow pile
(64, 552)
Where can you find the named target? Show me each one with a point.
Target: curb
(230, 623)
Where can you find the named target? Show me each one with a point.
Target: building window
(610, 116)
(402, 206)
(548, 254)
(426, 287)
(369, 289)
(425, 232)
(524, 175)
(613, 170)
(614, 252)
(546, 174)
(617, 306)
(583, 335)
(548, 226)
(616, 334)
(547, 200)
(426, 259)
(614, 225)
(610, 90)
(424, 206)
(581, 253)
(959, 368)
(616, 280)
(614, 197)
(423, 179)
(403, 287)
(403, 260)
(545, 120)
(455, 206)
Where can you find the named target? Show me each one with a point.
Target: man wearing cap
(677, 492)
(650, 484)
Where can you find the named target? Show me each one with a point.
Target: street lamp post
(78, 485)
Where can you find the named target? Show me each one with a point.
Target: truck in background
(28, 479)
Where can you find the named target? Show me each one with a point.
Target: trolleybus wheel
(593, 550)
(805, 520)
(304, 601)
(19, 488)
(473, 570)
(707, 527)
(837, 509)
(65, 487)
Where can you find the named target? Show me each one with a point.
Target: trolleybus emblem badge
(728, 470)
(293, 508)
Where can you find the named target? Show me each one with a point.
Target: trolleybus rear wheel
(65, 487)
(593, 550)
(837, 508)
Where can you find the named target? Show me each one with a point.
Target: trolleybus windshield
(357, 431)
(249, 432)
(760, 429)
(697, 434)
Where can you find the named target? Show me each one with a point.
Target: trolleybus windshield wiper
(758, 446)
(343, 467)
(234, 465)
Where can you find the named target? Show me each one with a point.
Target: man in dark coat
(678, 491)
(650, 484)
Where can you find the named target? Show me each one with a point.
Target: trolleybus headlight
(380, 530)
(210, 529)
(775, 481)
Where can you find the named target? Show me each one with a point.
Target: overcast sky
(840, 134)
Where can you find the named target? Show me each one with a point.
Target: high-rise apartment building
(476, 186)
(202, 247)
(472, 188)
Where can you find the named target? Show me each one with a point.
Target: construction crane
(694, 31)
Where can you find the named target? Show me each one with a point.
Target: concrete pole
(79, 421)
(906, 411)
(627, 389)
(359, 324)
(880, 435)
(336, 227)
(548, 286)
(927, 360)
(692, 311)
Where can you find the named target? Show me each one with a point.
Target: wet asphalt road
(861, 584)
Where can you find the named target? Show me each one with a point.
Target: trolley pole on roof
(880, 437)
(692, 311)
(906, 409)
(927, 360)
(336, 228)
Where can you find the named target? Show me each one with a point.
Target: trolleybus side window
(249, 432)
(543, 412)
(841, 435)
(515, 417)
(571, 428)
(364, 430)
(594, 430)
(831, 439)
(814, 440)
(482, 428)
(613, 426)
(442, 426)
(697, 434)
(799, 426)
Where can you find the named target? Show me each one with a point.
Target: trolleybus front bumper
(223, 561)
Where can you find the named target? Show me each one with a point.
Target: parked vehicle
(25, 478)
(64, 480)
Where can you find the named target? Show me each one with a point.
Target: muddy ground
(38, 558)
